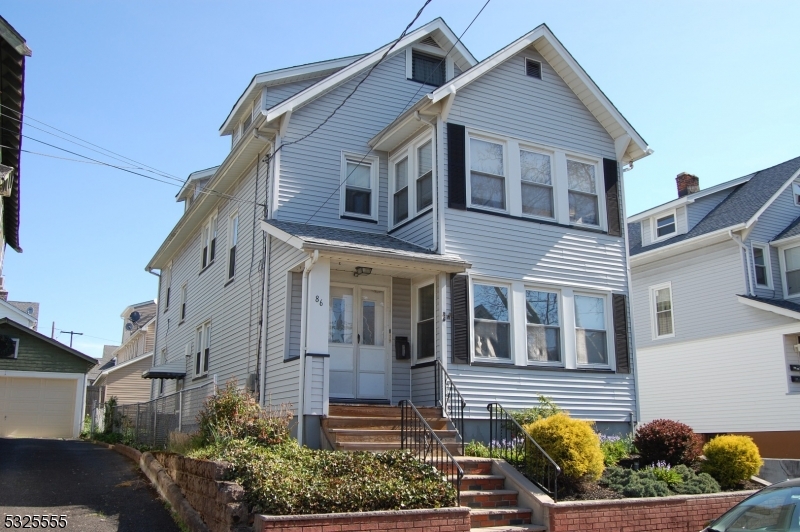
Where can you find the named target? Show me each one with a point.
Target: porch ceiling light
(361, 270)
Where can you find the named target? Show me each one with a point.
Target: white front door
(357, 337)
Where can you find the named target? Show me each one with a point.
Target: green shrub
(731, 459)
(571, 443)
(615, 448)
(650, 482)
(235, 414)
(476, 448)
(668, 441)
(546, 408)
(110, 421)
(287, 479)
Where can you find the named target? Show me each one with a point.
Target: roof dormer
(194, 185)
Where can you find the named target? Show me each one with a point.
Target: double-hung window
(183, 302)
(487, 174)
(202, 349)
(233, 238)
(661, 305)
(209, 242)
(492, 324)
(411, 172)
(426, 304)
(542, 323)
(167, 282)
(537, 184)
(761, 265)
(591, 341)
(424, 176)
(359, 193)
(583, 195)
(791, 257)
(664, 226)
(401, 190)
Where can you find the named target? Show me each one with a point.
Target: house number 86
(318, 300)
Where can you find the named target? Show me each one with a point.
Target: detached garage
(42, 384)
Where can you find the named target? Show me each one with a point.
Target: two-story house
(716, 300)
(388, 221)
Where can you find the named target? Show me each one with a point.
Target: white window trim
(653, 314)
(449, 70)
(525, 146)
(795, 195)
(168, 290)
(374, 182)
(561, 325)
(16, 349)
(767, 263)
(415, 287)
(654, 225)
(511, 320)
(206, 238)
(609, 323)
(182, 312)
(202, 329)
(506, 171)
(410, 151)
(228, 245)
(600, 189)
(782, 262)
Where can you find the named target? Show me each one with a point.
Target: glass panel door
(371, 349)
(340, 343)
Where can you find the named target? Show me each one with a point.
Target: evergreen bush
(571, 443)
(731, 459)
(668, 441)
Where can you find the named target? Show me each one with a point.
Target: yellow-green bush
(571, 443)
(731, 459)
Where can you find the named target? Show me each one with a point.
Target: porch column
(317, 364)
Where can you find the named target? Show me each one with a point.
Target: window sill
(200, 377)
(358, 219)
(181, 322)
(229, 282)
(402, 224)
(664, 337)
(542, 221)
(208, 266)
(510, 365)
(424, 364)
(291, 358)
(489, 361)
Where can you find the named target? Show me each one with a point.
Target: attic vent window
(427, 69)
(533, 68)
(428, 41)
(796, 192)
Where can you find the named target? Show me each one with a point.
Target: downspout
(303, 347)
(155, 333)
(434, 184)
(747, 275)
(262, 364)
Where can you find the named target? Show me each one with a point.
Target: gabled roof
(792, 230)
(740, 209)
(317, 237)
(134, 360)
(104, 363)
(199, 175)
(630, 145)
(437, 27)
(16, 312)
(43, 338)
(778, 306)
(13, 38)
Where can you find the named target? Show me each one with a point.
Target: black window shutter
(621, 347)
(459, 318)
(456, 170)
(611, 177)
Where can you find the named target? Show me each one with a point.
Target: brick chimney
(687, 184)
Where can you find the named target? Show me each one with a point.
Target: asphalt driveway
(97, 489)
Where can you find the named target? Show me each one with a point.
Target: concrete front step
(489, 517)
(489, 498)
(377, 422)
(483, 482)
(511, 528)
(379, 411)
(453, 447)
(380, 435)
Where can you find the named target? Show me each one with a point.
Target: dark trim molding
(229, 282)
(541, 368)
(334, 401)
(208, 266)
(319, 355)
(291, 359)
(537, 221)
(403, 224)
(357, 219)
(424, 364)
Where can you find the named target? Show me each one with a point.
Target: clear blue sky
(712, 86)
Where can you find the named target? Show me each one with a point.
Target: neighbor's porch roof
(171, 370)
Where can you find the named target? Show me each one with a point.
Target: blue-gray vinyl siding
(295, 311)
(278, 93)
(401, 326)
(418, 231)
(423, 386)
(699, 208)
(310, 171)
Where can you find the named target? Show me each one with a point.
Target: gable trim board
(39, 336)
(17, 312)
(761, 305)
(126, 363)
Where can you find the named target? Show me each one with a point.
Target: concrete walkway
(96, 488)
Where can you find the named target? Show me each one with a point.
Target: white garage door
(37, 407)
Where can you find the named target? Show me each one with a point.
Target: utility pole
(71, 334)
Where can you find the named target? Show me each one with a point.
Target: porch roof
(171, 370)
(377, 245)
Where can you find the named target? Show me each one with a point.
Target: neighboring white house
(451, 214)
(716, 299)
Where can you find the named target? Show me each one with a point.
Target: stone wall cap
(357, 515)
(648, 500)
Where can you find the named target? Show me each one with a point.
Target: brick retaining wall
(220, 503)
(441, 520)
(689, 513)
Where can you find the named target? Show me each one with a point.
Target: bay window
(537, 184)
(591, 343)
(411, 172)
(582, 184)
(761, 265)
(487, 174)
(542, 324)
(491, 326)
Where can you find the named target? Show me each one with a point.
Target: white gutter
(748, 278)
(677, 247)
(434, 184)
(304, 343)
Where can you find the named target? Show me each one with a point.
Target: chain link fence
(151, 423)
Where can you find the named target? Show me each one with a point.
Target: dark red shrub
(667, 440)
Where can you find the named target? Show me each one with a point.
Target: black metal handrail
(419, 438)
(450, 399)
(509, 441)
